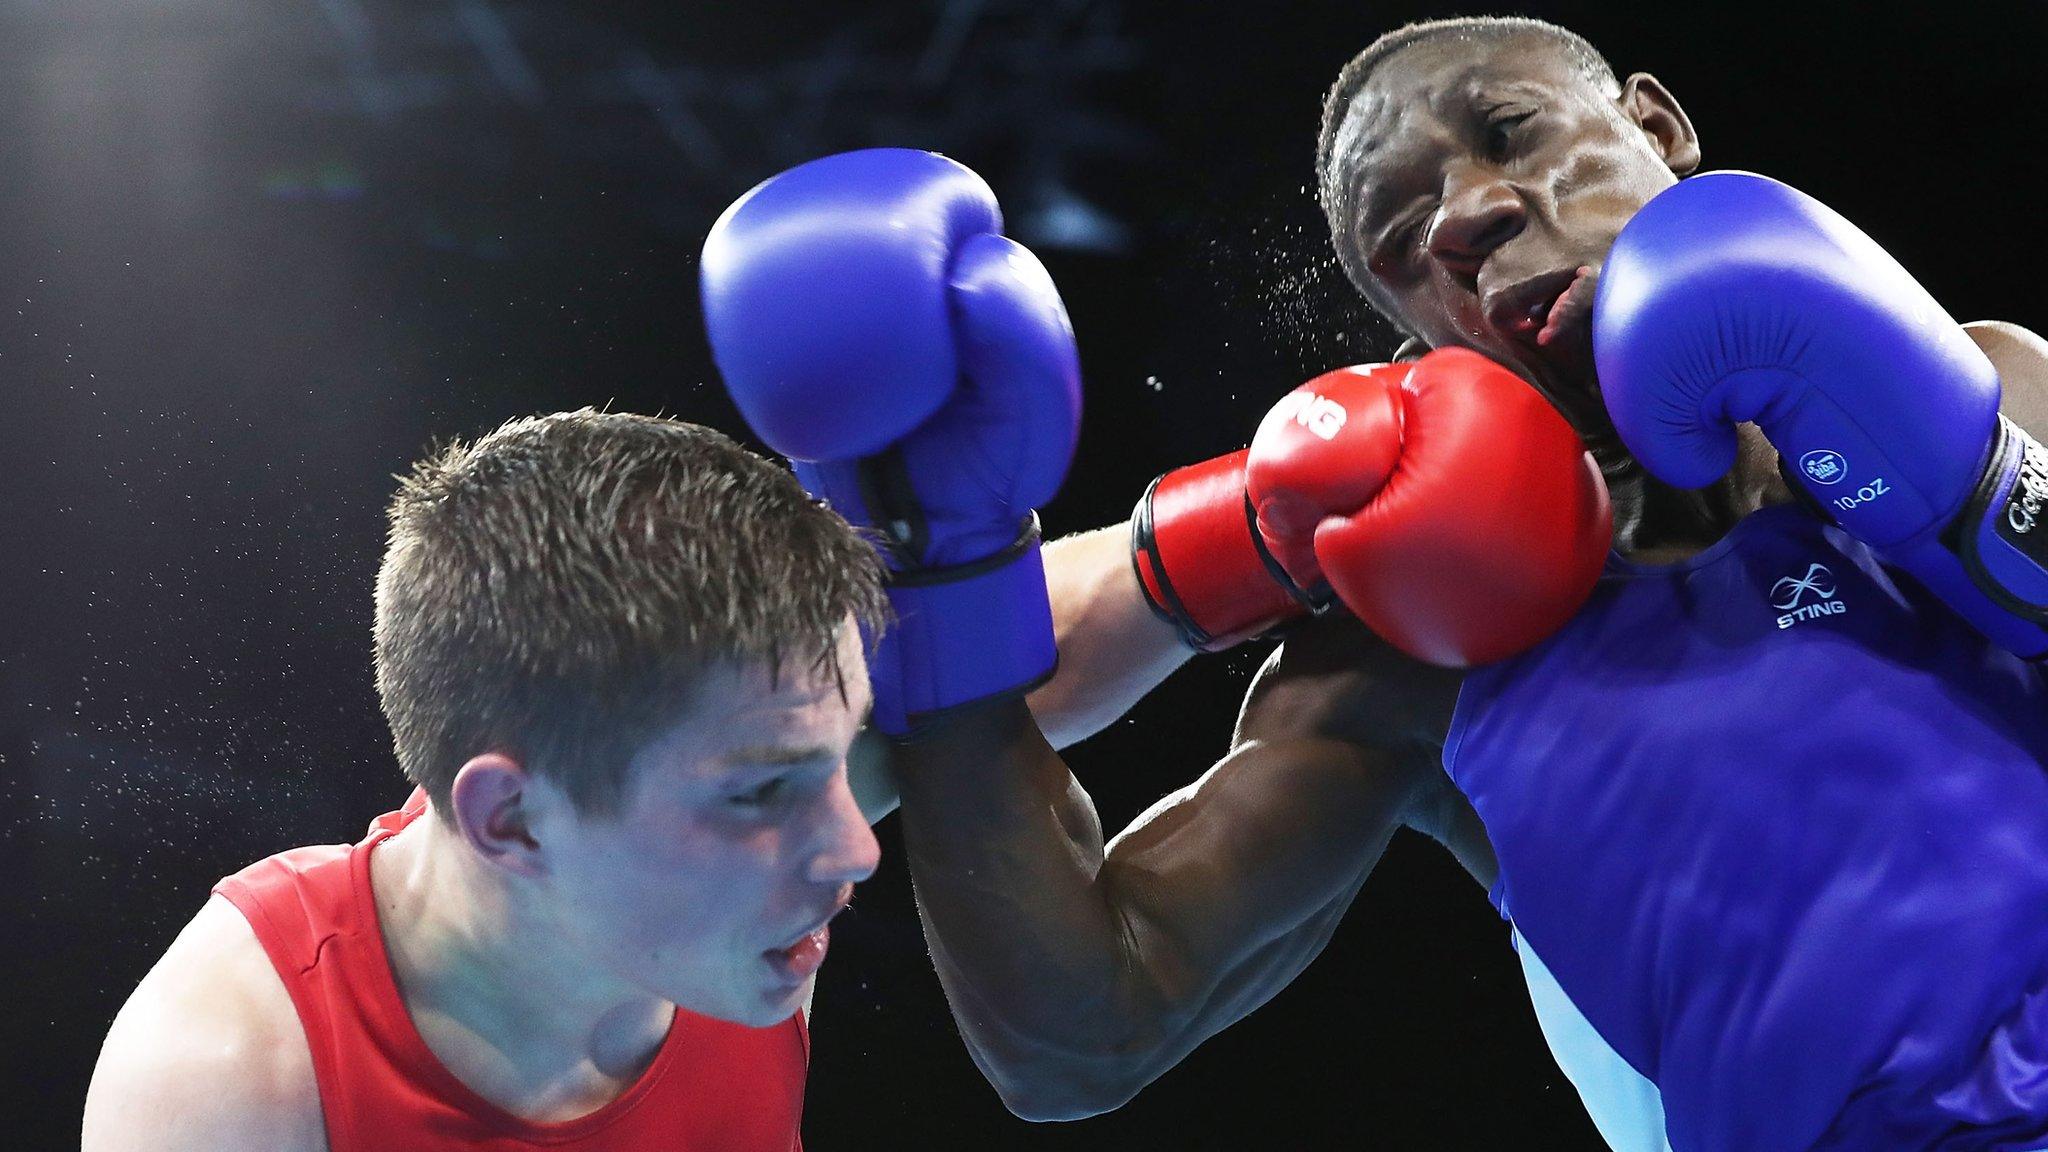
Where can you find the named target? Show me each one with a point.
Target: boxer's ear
(1411, 349)
(1655, 111)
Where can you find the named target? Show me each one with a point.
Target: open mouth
(799, 961)
(1543, 311)
(1551, 316)
(1572, 311)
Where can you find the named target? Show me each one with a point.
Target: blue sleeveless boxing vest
(1778, 824)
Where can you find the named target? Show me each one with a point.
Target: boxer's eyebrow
(1380, 200)
(777, 755)
(1488, 95)
(1524, 89)
(1377, 199)
(1459, 107)
(1372, 210)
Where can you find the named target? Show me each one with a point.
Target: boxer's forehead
(1430, 96)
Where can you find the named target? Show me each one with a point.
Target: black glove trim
(1317, 599)
(893, 506)
(2011, 450)
(925, 725)
(1145, 542)
(918, 576)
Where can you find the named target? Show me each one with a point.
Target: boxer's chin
(1567, 368)
(1562, 369)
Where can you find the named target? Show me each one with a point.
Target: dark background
(255, 257)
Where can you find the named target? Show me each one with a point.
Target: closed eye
(1500, 134)
(762, 794)
(1397, 243)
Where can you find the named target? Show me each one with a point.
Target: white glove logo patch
(1823, 466)
(1319, 414)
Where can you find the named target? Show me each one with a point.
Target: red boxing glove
(1447, 504)
(1200, 562)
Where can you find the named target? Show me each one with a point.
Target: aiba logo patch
(1823, 466)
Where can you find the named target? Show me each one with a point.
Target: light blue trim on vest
(1626, 1108)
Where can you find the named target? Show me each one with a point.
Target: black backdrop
(255, 256)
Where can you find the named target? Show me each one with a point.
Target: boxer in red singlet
(621, 662)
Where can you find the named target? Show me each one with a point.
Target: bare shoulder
(1333, 678)
(2003, 336)
(2021, 357)
(207, 1053)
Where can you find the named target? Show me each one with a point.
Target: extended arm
(1113, 647)
(1081, 971)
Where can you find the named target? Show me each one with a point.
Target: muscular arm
(1113, 650)
(1080, 971)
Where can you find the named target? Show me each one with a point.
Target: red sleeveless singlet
(713, 1085)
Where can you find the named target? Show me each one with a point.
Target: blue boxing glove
(1731, 297)
(917, 366)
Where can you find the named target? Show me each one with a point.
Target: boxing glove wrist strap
(964, 634)
(1200, 562)
(2002, 534)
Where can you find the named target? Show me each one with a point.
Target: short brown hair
(554, 589)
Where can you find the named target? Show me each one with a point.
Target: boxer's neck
(495, 992)
(1660, 524)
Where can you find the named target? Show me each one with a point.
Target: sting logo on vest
(1803, 598)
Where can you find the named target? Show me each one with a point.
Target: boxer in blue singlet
(1768, 818)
